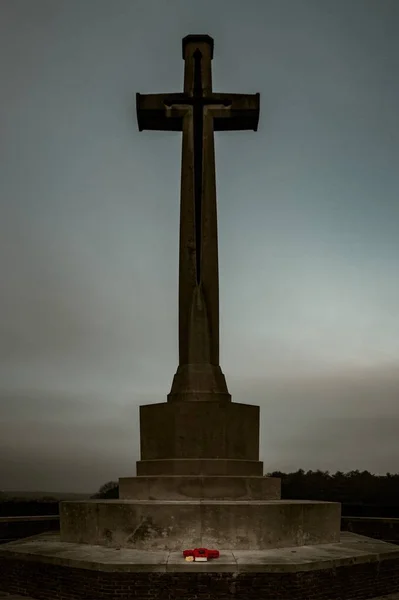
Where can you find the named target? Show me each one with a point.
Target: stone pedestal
(199, 430)
(199, 483)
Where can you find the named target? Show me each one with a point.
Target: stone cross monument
(198, 112)
(199, 481)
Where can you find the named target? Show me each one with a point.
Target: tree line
(360, 492)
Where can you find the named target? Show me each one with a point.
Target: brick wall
(51, 582)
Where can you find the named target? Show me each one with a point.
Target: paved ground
(352, 548)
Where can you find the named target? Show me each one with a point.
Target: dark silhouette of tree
(108, 491)
(361, 493)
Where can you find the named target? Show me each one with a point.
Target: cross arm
(241, 112)
(151, 113)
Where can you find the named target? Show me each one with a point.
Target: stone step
(177, 524)
(186, 487)
(200, 466)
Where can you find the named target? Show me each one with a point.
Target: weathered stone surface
(185, 487)
(172, 525)
(199, 430)
(274, 524)
(197, 466)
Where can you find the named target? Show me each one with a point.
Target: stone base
(356, 568)
(169, 487)
(177, 524)
(204, 430)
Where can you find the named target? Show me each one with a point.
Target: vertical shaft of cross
(198, 269)
(199, 376)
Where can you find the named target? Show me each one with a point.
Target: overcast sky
(308, 231)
